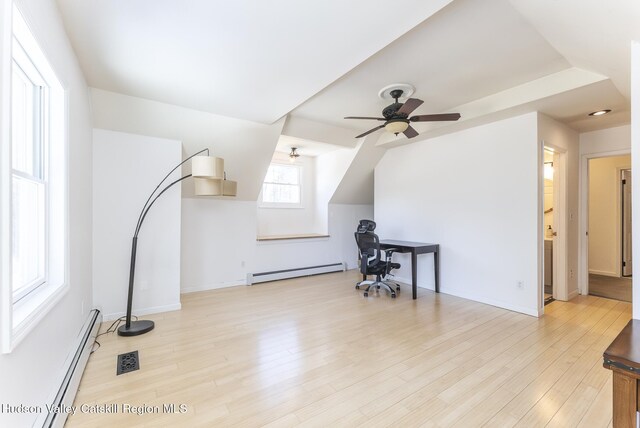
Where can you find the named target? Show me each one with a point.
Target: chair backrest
(369, 247)
(366, 226)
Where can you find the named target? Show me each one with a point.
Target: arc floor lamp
(210, 180)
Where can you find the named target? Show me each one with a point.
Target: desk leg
(436, 269)
(625, 392)
(414, 274)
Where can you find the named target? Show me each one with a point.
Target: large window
(35, 171)
(29, 109)
(281, 187)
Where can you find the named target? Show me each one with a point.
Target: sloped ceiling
(253, 60)
(323, 60)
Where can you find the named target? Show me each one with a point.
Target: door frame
(561, 215)
(621, 185)
(583, 203)
(560, 223)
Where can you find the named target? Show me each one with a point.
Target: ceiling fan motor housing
(390, 111)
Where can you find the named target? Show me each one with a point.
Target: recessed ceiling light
(599, 112)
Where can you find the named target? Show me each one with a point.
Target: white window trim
(286, 205)
(18, 319)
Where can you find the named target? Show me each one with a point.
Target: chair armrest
(389, 251)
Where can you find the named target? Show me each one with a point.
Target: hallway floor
(610, 287)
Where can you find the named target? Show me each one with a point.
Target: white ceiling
(323, 60)
(305, 147)
(254, 60)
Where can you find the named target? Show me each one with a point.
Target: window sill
(282, 206)
(29, 312)
(290, 237)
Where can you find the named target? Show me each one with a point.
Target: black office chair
(371, 262)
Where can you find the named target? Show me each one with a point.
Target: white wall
(635, 160)
(356, 186)
(246, 146)
(475, 193)
(330, 169)
(127, 168)
(605, 254)
(298, 220)
(34, 370)
(606, 140)
(561, 137)
(219, 244)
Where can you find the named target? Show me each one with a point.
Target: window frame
(40, 107)
(19, 316)
(292, 205)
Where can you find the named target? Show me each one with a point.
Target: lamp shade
(229, 188)
(207, 167)
(208, 187)
(396, 127)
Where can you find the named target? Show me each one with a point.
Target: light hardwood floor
(610, 287)
(314, 352)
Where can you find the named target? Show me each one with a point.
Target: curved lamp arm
(144, 208)
(143, 326)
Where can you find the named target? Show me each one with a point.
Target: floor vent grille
(128, 362)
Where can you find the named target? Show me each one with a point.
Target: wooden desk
(416, 248)
(623, 358)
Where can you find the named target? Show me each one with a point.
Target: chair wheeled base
(389, 285)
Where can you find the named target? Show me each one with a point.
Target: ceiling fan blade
(410, 105)
(361, 117)
(370, 131)
(410, 132)
(435, 117)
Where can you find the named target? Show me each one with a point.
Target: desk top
(405, 244)
(625, 348)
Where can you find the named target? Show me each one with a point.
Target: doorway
(609, 227)
(549, 231)
(554, 220)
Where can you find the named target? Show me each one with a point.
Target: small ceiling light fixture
(294, 154)
(600, 112)
(396, 126)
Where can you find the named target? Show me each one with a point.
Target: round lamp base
(136, 328)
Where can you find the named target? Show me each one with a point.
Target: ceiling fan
(396, 116)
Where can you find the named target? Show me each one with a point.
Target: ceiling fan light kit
(396, 116)
(396, 127)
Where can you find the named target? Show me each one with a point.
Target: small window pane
(27, 233)
(282, 174)
(22, 126)
(282, 193)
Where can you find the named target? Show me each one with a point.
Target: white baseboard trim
(573, 294)
(603, 272)
(499, 304)
(407, 281)
(144, 311)
(207, 287)
(258, 277)
(534, 312)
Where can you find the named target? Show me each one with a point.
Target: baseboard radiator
(78, 361)
(254, 278)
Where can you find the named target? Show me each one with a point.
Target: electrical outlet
(520, 285)
(571, 273)
(242, 263)
(144, 285)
